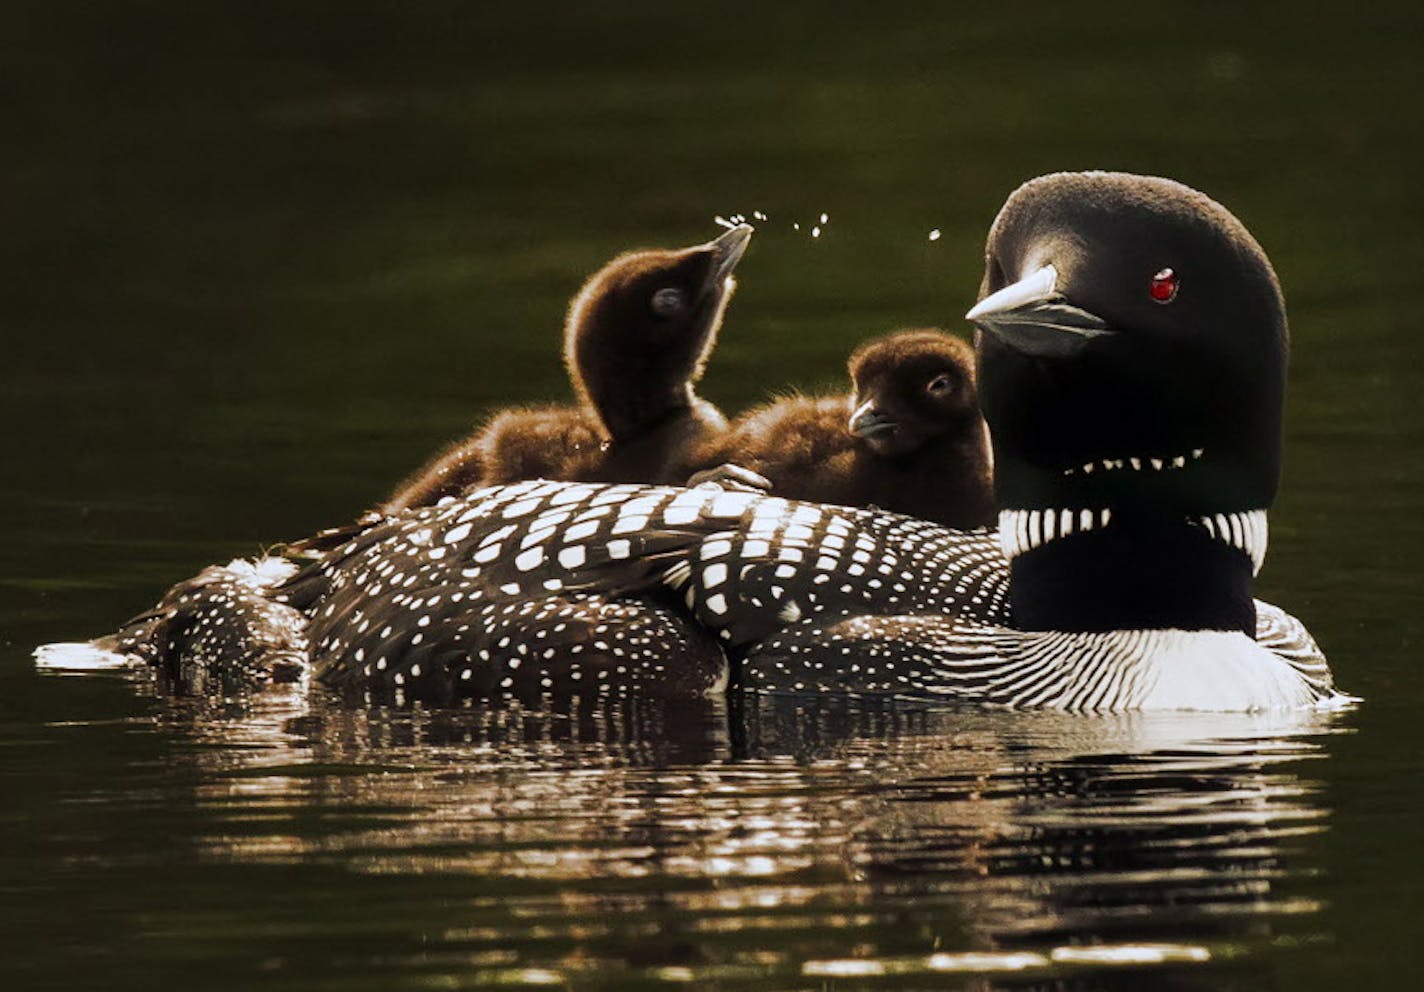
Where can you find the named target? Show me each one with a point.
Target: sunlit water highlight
(772, 838)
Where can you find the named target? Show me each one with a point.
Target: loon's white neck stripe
(1024, 530)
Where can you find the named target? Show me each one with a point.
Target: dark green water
(261, 258)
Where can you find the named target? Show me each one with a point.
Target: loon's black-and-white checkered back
(507, 591)
(745, 564)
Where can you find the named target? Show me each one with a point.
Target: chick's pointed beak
(727, 250)
(1033, 317)
(869, 421)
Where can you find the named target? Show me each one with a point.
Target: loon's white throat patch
(1024, 530)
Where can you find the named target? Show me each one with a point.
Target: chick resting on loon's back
(636, 342)
(908, 438)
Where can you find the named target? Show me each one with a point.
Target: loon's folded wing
(514, 588)
(439, 646)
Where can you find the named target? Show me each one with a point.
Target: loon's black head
(1131, 356)
(1134, 349)
(639, 332)
(910, 388)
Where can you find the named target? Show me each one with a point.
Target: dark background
(259, 259)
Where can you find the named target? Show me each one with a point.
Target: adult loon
(908, 438)
(1132, 354)
(636, 342)
(1131, 351)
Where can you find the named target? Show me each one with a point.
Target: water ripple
(770, 839)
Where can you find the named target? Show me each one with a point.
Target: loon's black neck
(1132, 574)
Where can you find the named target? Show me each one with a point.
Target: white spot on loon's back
(580, 531)
(520, 509)
(528, 560)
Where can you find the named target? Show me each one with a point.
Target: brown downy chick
(909, 438)
(636, 342)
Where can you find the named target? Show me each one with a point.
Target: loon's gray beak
(868, 421)
(728, 251)
(1031, 316)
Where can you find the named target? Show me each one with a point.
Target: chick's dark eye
(940, 385)
(669, 301)
(1163, 287)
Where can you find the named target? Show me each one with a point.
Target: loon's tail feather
(80, 656)
(223, 630)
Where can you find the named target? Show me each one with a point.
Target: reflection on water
(804, 840)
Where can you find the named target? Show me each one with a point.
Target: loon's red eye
(1164, 286)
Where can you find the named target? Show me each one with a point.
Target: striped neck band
(1024, 530)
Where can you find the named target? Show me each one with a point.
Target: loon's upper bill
(1034, 317)
(1105, 590)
